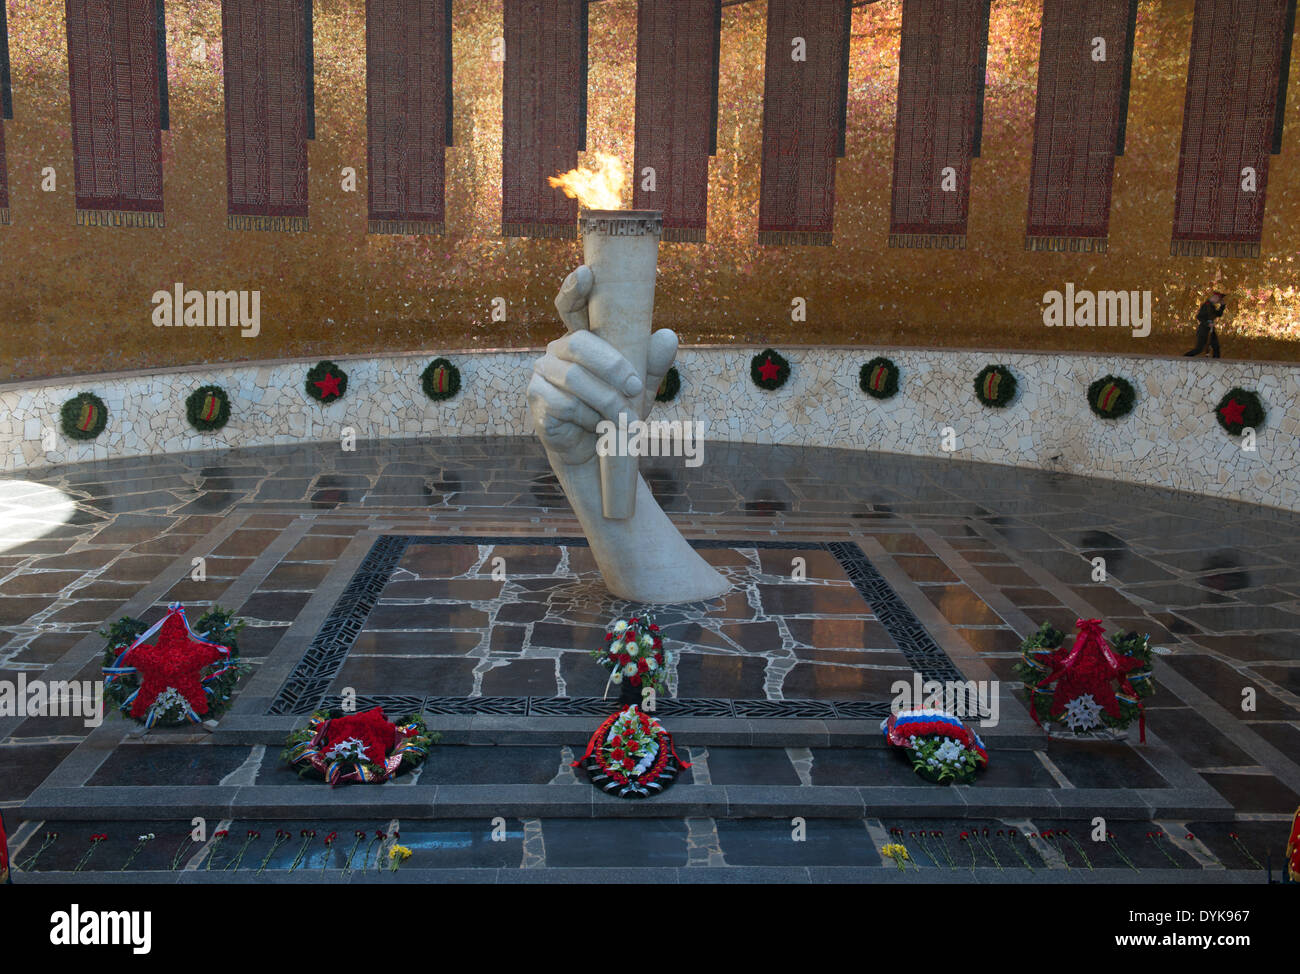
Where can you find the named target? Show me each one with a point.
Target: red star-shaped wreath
(769, 370)
(328, 386)
(176, 661)
(1090, 666)
(1233, 413)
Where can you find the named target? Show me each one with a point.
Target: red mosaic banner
(676, 111)
(805, 99)
(1235, 86)
(544, 109)
(6, 111)
(1083, 74)
(267, 61)
(114, 49)
(408, 113)
(942, 59)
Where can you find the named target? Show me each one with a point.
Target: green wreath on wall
(208, 408)
(879, 378)
(995, 386)
(769, 369)
(440, 380)
(669, 386)
(83, 417)
(326, 382)
(1111, 397)
(1238, 409)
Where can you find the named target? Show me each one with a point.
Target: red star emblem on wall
(769, 370)
(328, 386)
(176, 661)
(1233, 413)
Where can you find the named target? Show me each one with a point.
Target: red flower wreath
(612, 768)
(371, 728)
(1090, 666)
(176, 661)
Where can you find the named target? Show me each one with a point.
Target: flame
(595, 189)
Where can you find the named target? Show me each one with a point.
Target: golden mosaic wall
(75, 299)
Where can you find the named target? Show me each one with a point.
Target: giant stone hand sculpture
(581, 381)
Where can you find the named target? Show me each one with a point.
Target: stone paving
(779, 686)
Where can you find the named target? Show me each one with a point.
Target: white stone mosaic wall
(1170, 439)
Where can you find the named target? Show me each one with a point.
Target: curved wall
(1171, 438)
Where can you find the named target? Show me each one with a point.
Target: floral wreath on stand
(995, 386)
(669, 386)
(1238, 409)
(366, 747)
(941, 748)
(635, 656)
(631, 756)
(1111, 397)
(440, 380)
(879, 378)
(181, 679)
(769, 370)
(326, 382)
(83, 417)
(1094, 684)
(208, 408)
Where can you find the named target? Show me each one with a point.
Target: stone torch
(621, 247)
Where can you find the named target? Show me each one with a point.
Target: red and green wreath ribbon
(995, 385)
(440, 380)
(208, 408)
(879, 378)
(83, 417)
(87, 416)
(1111, 397)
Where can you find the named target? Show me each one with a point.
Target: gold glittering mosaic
(77, 298)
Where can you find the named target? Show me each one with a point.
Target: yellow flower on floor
(896, 851)
(397, 855)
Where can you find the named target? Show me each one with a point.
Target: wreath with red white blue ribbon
(941, 748)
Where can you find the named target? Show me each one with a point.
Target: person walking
(1205, 333)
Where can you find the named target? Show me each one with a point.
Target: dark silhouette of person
(1205, 333)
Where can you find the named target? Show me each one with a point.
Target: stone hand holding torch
(608, 366)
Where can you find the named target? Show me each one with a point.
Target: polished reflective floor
(851, 571)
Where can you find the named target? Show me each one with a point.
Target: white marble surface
(1171, 438)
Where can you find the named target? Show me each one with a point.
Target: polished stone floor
(975, 555)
